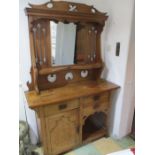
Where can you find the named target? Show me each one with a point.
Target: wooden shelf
(56, 69)
(95, 135)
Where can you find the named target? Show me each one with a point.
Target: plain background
(145, 77)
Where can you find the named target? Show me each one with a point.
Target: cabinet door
(62, 131)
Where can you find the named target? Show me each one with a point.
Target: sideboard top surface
(69, 92)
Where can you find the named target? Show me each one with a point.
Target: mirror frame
(62, 11)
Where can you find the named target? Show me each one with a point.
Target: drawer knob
(62, 106)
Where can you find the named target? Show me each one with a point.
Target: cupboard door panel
(62, 131)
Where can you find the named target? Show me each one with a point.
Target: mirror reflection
(63, 38)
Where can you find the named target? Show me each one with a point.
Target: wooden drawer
(96, 103)
(61, 107)
(96, 100)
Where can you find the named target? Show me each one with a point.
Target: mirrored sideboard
(72, 102)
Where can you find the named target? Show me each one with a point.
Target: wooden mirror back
(87, 55)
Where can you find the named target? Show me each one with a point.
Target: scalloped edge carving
(52, 78)
(65, 6)
(34, 82)
(69, 76)
(92, 113)
(84, 73)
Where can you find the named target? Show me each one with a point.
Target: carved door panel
(62, 131)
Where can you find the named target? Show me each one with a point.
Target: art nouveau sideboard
(71, 101)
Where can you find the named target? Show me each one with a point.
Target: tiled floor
(102, 146)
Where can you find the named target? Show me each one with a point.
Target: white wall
(22, 114)
(117, 29)
(129, 87)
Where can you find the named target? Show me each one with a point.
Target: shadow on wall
(105, 72)
(114, 98)
(111, 122)
(108, 28)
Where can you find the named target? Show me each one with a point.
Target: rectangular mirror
(63, 40)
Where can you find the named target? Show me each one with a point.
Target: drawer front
(61, 107)
(96, 103)
(96, 100)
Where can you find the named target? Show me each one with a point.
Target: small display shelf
(56, 69)
(95, 126)
(93, 136)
